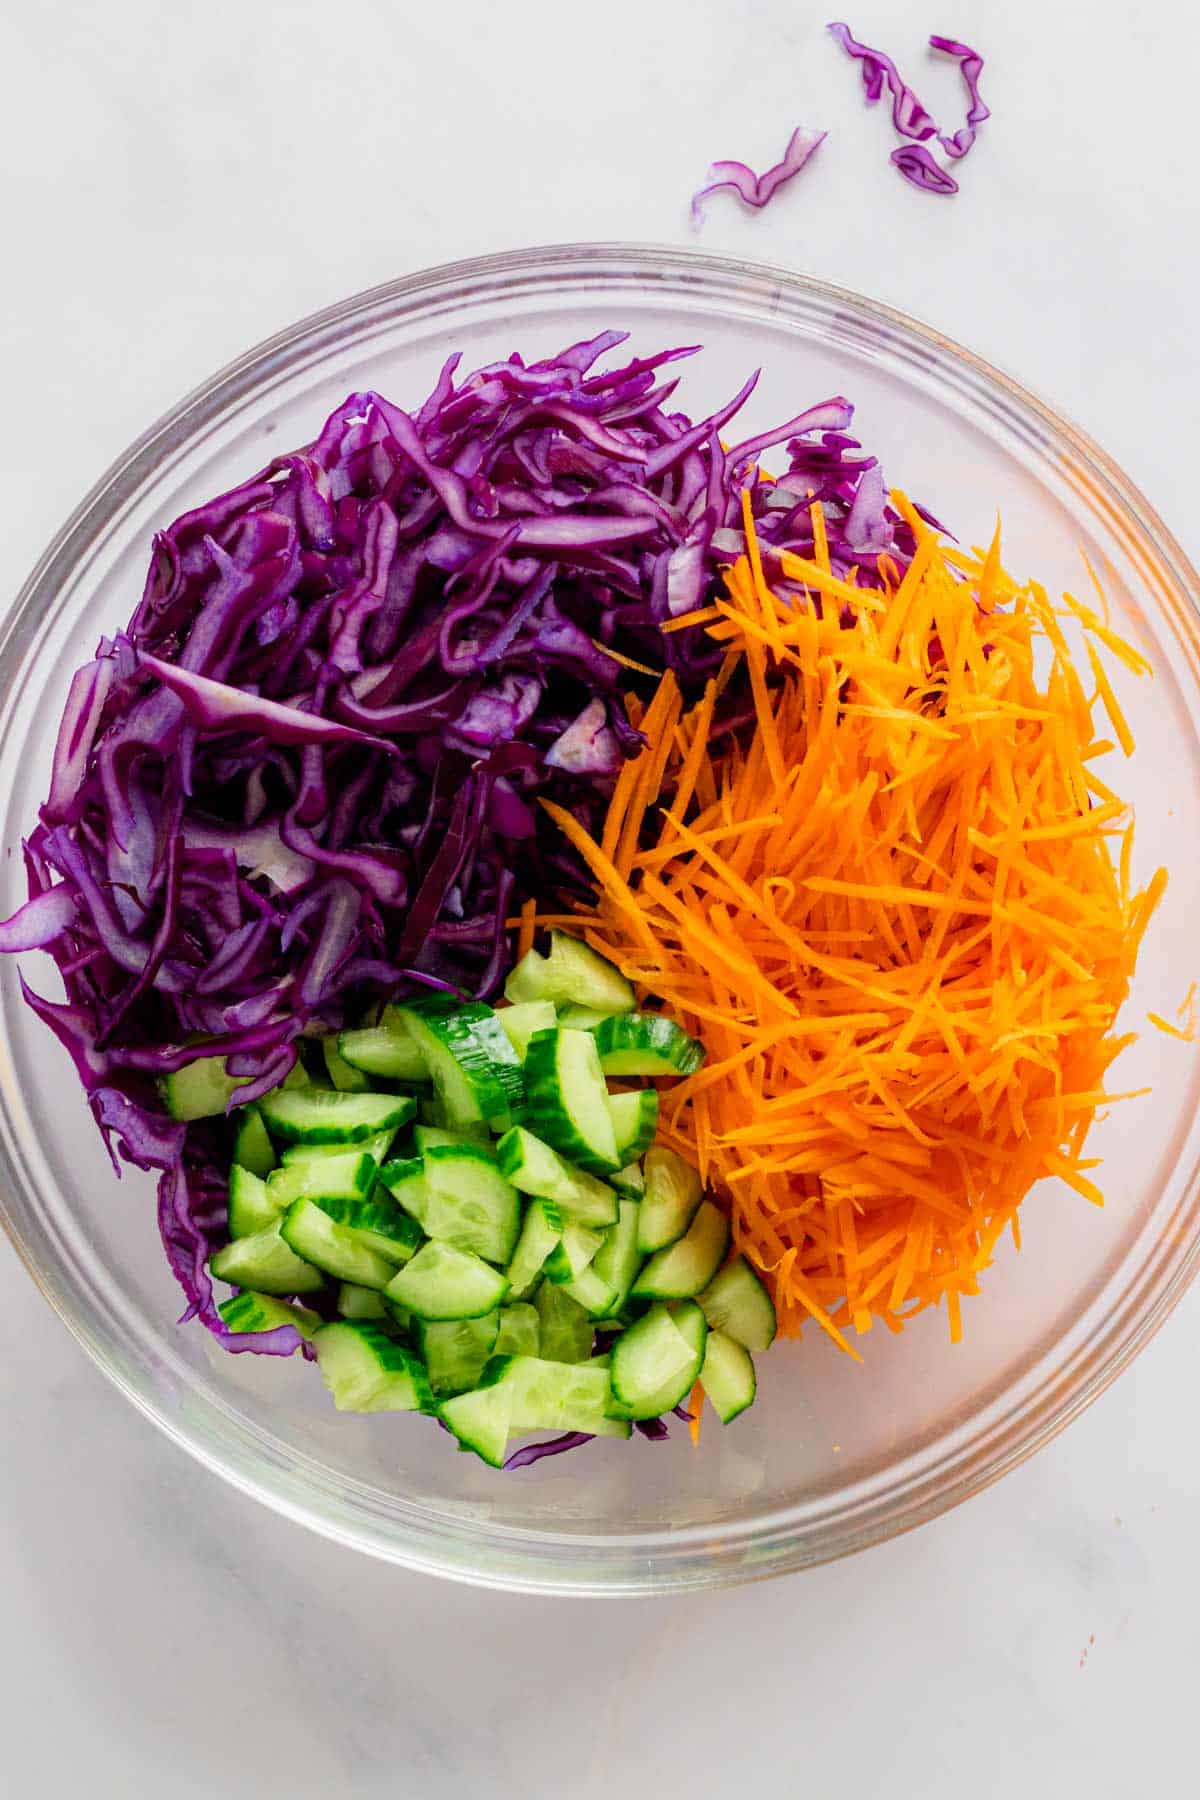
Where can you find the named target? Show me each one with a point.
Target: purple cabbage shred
(756, 190)
(909, 117)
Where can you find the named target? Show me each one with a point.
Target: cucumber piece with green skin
(520, 1022)
(376, 1147)
(568, 1099)
(686, 1267)
(458, 1194)
(673, 1193)
(629, 1182)
(519, 1333)
(635, 1121)
(266, 1263)
(541, 1231)
(655, 1363)
(555, 1396)
(355, 1302)
(573, 974)
(536, 1169)
(251, 1207)
(312, 1234)
(581, 1018)
(200, 1090)
(377, 1223)
(738, 1304)
(386, 1051)
(474, 1068)
(596, 1297)
(646, 1044)
(323, 1116)
(444, 1283)
(565, 1329)
(345, 1177)
(345, 1078)
(252, 1146)
(430, 1137)
(480, 1418)
(618, 1259)
(455, 1351)
(249, 1312)
(575, 1251)
(366, 1370)
(727, 1376)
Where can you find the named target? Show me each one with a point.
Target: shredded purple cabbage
(914, 161)
(970, 67)
(917, 165)
(305, 777)
(755, 190)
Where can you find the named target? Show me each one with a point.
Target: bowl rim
(679, 1559)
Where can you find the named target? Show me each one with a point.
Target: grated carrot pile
(900, 917)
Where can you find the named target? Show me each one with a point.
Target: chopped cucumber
(377, 1223)
(646, 1044)
(376, 1147)
(686, 1267)
(568, 1099)
(366, 1370)
(360, 1303)
(581, 1018)
(323, 1116)
(345, 1078)
(536, 1169)
(673, 1192)
(460, 1197)
(738, 1304)
(629, 1181)
(456, 1350)
(400, 1316)
(345, 1177)
(565, 1328)
(556, 1396)
(618, 1259)
(252, 1146)
(571, 975)
(444, 1283)
(200, 1090)
(251, 1207)
(519, 1333)
(249, 1311)
(520, 1022)
(575, 1250)
(727, 1375)
(655, 1363)
(266, 1263)
(540, 1234)
(597, 1298)
(333, 1247)
(635, 1121)
(473, 1066)
(428, 1137)
(480, 1419)
(387, 1051)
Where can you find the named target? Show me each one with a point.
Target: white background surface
(181, 180)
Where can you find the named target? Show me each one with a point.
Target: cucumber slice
(444, 1283)
(249, 1311)
(596, 1297)
(618, 1259)
(738, 1304)
(635, 1121)
(345, 1177)
(252, 1146)
(266, 1263)
(555, 1396)
(480, 1419)
(376, 1147)
(297, 1076)
(200, 1090)
(540, 1233)
(673, 1192)
(377, 1223)
(520, 1022)
(360, 1303)
(345, 1078)
(429, 1137)
(686, 1267)
(536, 1169)
(568, 1100)
(460, 1197)
(474, 1068)
(519, 1333)
(727, 1375)
(629, 1181)
(313, 1235)
(456, 1350)
(366, 1370)
(655, 1363)
(581, 1018)
(565, 1329)
(645, 1044)
(574, 1252)
(251, 1208)
(387, 1051)
(572, 975)
(323, 1116)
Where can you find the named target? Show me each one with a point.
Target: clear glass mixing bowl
(834, 1456)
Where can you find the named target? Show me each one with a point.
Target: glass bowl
(834, 1456)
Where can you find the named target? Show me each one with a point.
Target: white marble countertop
(181, 180)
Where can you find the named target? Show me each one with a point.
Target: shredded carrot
(901, 915)
(695, 1405)
(527, 926)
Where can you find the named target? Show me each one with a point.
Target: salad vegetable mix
(549, 897)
